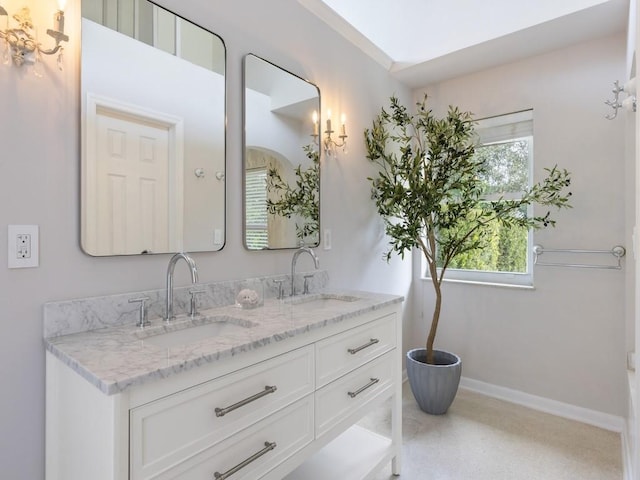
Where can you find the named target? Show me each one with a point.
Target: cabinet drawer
(269, 442)
(336, 401)
(169, 430)
(344, 352)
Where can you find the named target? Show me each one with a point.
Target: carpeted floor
(481, 438)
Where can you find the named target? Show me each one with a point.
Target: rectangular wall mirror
(281, 158)
(153, 131)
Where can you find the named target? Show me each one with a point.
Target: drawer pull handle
(267, 448)
(362, 389)
(221, 412)
(353, 351)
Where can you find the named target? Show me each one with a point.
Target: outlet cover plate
(326, 241)
(23, 243)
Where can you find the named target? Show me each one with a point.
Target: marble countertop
(116, 358)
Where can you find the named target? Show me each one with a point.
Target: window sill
(484, 284)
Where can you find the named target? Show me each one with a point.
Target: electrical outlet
(23, 246)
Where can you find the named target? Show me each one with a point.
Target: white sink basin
(189, 333)
(321, 299)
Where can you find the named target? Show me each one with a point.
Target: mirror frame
(245, 154)
(212, 172)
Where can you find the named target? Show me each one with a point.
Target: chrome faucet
(293, 264)
(172, 265)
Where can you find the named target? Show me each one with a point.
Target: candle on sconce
(58, 17)
(329, 122)
(343, 128)
(315, 123)
(58, 21)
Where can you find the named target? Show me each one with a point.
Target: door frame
(95, 104)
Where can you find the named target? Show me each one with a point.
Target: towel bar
(617, 251)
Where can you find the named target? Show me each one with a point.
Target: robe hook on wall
(629, 103)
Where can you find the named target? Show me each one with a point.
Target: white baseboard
(591, 417)
(606, 421)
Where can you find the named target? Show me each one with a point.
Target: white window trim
(482, 283)
(509, 127)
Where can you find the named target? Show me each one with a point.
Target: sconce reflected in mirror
(281, 163)
(21, 43)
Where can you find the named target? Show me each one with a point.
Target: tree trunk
(434, 321)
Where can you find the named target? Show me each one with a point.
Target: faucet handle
(193, 311)
(142, 315)
(280, 288)
(305, 288)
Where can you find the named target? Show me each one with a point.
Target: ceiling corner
(344, 28)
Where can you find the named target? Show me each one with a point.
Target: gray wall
(39, 184)
(565, 339)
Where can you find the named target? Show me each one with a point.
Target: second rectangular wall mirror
(281, 158)
(153, 131)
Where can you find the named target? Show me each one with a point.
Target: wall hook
(629, 103)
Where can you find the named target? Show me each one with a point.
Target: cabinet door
(167, 431)
(252, 452)
(347, 351)
(346, 396)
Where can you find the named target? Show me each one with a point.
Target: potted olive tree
(430, 193)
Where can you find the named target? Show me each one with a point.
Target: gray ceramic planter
(434, 386)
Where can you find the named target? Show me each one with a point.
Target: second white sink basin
(325, 299)
(193, 333)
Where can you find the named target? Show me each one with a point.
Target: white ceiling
(425, 41)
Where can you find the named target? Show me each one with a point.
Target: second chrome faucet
(172, 265)
(296, 254)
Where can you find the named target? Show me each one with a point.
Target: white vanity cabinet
(284, 410)
(167, 431)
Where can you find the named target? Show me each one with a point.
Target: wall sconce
(328, 143)
(629, 103)
(21, 43)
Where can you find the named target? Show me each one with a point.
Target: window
(256, 211)
(506, 146)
